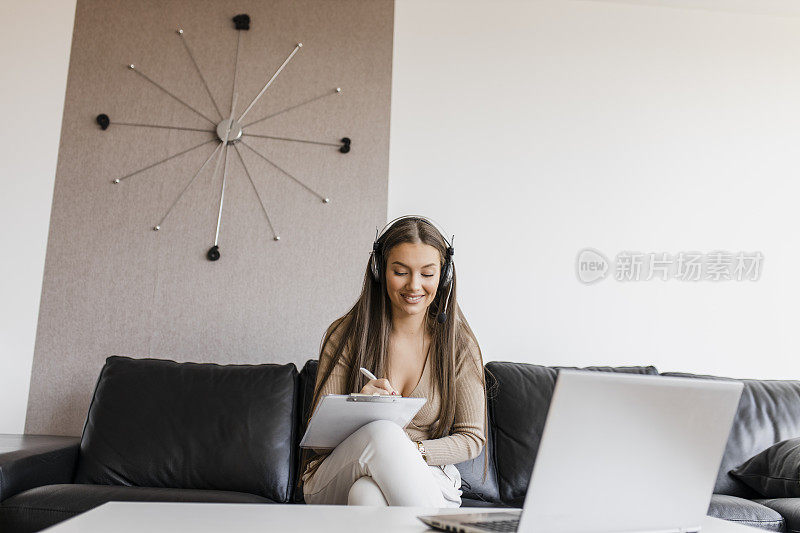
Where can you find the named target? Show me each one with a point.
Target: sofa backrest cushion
(307, 380)
(769, 412)
(519, 408)
(479, 476)
(158, 423)
(474, 485)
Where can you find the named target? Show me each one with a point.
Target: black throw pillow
(775, 472)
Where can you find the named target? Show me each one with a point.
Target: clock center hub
(234, 135)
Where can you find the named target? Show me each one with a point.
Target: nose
(415, 282)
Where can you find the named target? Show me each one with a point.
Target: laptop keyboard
(509, 526)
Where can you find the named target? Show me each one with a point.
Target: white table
(157, 517)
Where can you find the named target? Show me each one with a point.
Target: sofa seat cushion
(745, 512)
(789, 508)
(38, 508)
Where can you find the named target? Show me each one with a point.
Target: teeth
(413, 299)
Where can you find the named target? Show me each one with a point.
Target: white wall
(533, 129)
(35, 40)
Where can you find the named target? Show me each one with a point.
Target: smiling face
(412, 276)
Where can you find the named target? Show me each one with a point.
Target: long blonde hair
(363, 331)
(367, 325)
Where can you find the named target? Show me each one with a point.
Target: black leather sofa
(162, 431)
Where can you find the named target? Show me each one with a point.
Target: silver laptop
(620, 453)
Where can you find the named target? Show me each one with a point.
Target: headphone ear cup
(447, 271)
(447, 274)
(374, 267)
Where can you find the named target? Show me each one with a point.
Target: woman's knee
(383, 444)
(387, 447)
(383, 430)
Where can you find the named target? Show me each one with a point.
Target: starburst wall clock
(229, 132)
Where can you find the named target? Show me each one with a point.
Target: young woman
(407, 329)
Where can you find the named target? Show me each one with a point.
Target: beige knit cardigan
(467, 435)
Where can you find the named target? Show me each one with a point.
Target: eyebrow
(408, 267)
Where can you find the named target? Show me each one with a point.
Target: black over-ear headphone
(445, 279)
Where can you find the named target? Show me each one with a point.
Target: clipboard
(338, 416)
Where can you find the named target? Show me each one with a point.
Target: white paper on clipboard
(339, 415)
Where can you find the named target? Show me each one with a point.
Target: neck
(409, 325)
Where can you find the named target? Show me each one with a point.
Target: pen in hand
(370, 376)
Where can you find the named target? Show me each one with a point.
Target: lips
(413, 298)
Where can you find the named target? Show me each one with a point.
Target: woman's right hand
(379, 386)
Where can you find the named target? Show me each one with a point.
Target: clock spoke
(236, 70)
(199, 73)
(309, 189)
(223, 152)
(258, 195)
(277, 72)
(115, 123)
(337, 90)
(148, 167)
(222, 191)
(227, 132)
(135, 69)
(186, 188)
(337, 145)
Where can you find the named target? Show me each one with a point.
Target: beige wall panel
(114, 286)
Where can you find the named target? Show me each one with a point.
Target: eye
(428, 275)
(399, 273)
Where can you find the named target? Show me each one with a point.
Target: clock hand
(224, 177)
(222, 193)
(286, 62)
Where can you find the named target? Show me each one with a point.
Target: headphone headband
(437, 226)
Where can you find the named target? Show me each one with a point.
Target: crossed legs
(378, 465)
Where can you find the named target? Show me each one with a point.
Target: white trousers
(379, 465)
